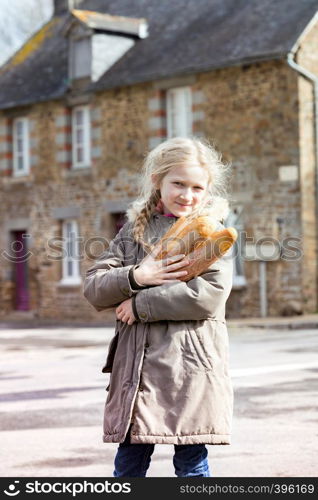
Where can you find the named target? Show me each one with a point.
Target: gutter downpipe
(314, 79)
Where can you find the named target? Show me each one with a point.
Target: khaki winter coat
(169, 370)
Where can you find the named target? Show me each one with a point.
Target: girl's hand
(125, 313)
(157, 272)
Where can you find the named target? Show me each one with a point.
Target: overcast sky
(19, 19)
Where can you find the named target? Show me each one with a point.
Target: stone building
(104, 82)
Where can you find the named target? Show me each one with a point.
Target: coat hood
(216, 206)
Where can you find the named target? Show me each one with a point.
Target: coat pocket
(205, 335)
(198, 349)
(107, 368)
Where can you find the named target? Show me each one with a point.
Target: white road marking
(259, 370)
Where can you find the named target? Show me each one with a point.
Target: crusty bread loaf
(199, 240)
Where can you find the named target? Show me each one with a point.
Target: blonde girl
(168, 360)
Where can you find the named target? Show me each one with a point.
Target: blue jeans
(133, 460)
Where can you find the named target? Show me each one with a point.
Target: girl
(168, 360)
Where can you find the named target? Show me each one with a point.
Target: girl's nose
(186, 195)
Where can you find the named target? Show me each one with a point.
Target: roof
(185, 36)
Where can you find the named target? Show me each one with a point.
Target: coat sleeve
(107, 283)
(199, 298)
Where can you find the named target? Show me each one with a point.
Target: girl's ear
(154, 178)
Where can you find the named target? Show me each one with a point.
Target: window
(80, 58)
(70, 267)
(179, 112)
(21, 154)
(81, 154)
(235, 220)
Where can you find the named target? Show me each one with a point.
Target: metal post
(262, 288)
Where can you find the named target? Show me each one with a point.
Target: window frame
(25, 147)
(187, 127)
(75, 278)
(74, 54)
(234, 219)
(86, 144)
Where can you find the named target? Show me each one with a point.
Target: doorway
(20, 270)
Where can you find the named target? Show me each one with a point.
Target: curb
(292, 323)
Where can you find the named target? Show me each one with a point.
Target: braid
(143, 218)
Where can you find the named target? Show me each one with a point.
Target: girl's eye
(180, 183)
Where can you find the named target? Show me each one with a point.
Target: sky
(19, 19)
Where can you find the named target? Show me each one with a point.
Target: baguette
(199, 240)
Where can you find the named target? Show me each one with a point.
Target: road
(52, 395)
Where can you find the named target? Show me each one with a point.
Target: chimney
(63, 6)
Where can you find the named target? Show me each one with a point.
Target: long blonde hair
(171, 153)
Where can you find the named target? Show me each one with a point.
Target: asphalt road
(52, 395)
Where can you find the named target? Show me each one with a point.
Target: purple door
(19, 248)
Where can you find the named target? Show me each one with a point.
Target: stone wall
(251, 113)
(307, 57)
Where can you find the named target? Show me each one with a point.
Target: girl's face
(183, 189)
